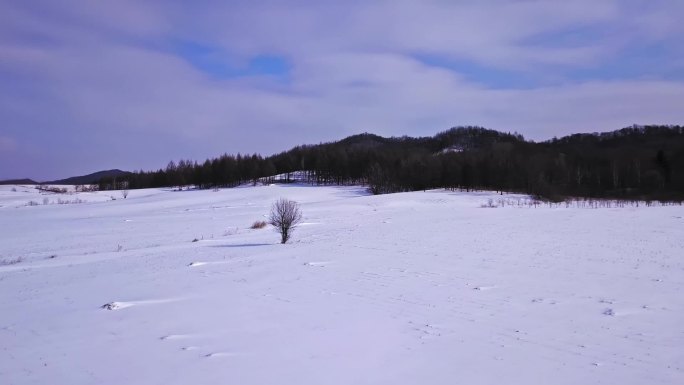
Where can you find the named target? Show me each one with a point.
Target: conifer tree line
(638, 162)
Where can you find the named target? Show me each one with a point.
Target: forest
(634, 163)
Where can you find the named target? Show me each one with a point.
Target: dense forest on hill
(638, 162)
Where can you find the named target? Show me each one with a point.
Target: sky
(133, 84)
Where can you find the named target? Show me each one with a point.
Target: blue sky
(217, 63)
(133, 84)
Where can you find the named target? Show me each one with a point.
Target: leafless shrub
(32, 203)
(123, 186)
(285, 215)
(490, 204)
(258, 225)
(231, 231)
(61, 201)
(52, 189)
(13, 261)
(46, 200)
(14, 189)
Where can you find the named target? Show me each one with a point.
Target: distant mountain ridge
(18, 181)
(93, 178)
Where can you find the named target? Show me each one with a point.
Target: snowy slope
(414, 288)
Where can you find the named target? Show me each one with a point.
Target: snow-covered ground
(414, 288)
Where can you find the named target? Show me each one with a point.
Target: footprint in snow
(318, 264)
(195, 264)
(220, 354)
(484, 288)
(174, 337)
(198, 263)
(118, 305)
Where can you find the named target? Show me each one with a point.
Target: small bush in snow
(231, 231)
(7, 262)
(285, 215)
(258, 225)
(490, 204)
(61, 201)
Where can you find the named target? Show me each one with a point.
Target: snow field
(424, 287)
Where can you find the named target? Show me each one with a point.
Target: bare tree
(124, 189)
(285, 215)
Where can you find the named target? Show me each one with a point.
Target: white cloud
(95, 87)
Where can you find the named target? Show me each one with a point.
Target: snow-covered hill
(414, 288)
